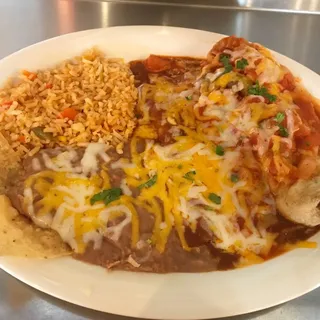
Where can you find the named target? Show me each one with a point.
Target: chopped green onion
(107, 196)
(149, 183)
(180, 166)
(189, 98)
(219, 150)
(215, 198)
(189, 175)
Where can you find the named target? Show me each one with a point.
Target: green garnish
(107, 196)
(234, 177)
(180, 166)
(261, 91)
(38, 131)
(149, 241)
(225, 60)
(255, 89)
(308, 144)
(149, 183)
(219, 150)
(189, 98)
(283, 131)
(279, 117)
(208, 208)
(189, 175)
(241, 64)
(215, 198)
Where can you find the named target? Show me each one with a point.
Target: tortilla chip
(19, 237)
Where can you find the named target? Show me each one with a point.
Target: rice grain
(101, 90)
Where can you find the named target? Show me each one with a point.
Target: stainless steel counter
(24, 22)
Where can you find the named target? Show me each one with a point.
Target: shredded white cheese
(89, 162)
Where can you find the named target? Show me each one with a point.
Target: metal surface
(24, 22)
(298, 6)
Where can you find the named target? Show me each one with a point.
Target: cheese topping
(65, 191)
(188, 173)
(184, 185)
(205, 170)
(89, 162)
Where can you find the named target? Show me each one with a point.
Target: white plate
(172, 296)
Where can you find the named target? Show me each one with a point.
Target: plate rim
(155, 28)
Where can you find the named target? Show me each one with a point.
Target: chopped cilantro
(279, 117)
(234, 177)
(308, 144)
(254, 89)
(225, 60)
(180, 166)
(283, 131)
(241, 64)
(189, 175)
(149, 183)
(107, 196)
(219, 150)
(261, 91)
(270, 97)
(189, 98)
(215, 198)
(208, 208)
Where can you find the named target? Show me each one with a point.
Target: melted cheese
(186, 198)
(78, 222)
(65, 200)
(224, 117)
(62, 163)
(114, 232)
(36, 166)
(202, 116)
(124, 187)
(171, 152)
(89, 162)
(268, 71)
(122, 164)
